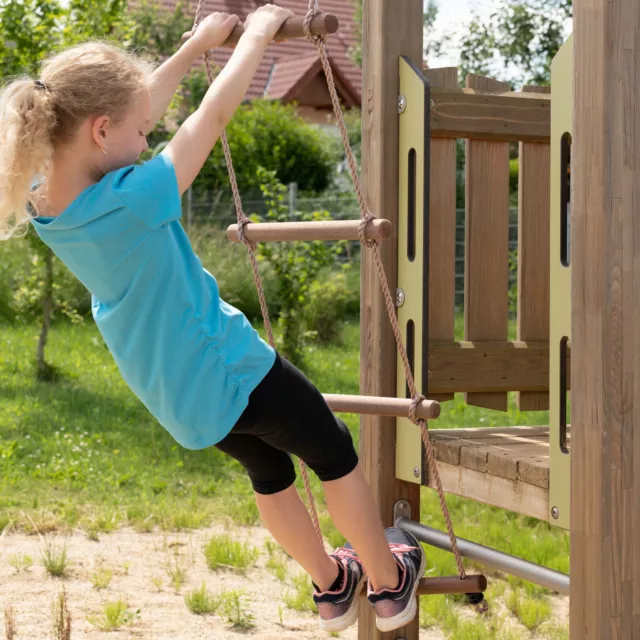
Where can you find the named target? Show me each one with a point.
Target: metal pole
(504, 562)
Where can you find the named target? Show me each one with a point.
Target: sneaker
(339, 609)
(397, 607)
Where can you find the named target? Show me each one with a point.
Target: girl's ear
(100, 131)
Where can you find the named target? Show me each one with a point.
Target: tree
(518, 41)
(431, 46)
(263, 134)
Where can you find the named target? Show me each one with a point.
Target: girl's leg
(288, 521)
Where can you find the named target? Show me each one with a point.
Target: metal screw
(402, 104)
(432, 104)
(400, 297)
(416, 472)
(555, 513)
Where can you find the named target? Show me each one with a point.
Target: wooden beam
(497, 115)
(605, 245)
(512, 495)
(374, 406)
(486, 266)
(442, 229)
(377, 229)
(390, 30)
(323, 24)
(485, 367)
(453, 584)
(534, 204)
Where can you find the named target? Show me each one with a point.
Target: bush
(229, 264)
(21, 271)
(326, 310)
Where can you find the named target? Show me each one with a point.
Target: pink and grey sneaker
(397, 607)
(338, 606)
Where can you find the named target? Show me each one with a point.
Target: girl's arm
(164, 81)
(195, 139)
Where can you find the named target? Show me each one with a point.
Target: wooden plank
(482, 367)
(533, 251)
(390, 30)
(486, 243)
(490, 113)
(605, 244)
(512, 495)
(442, 228)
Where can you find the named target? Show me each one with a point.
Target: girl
(192, 359)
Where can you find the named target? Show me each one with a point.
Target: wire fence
(340, 207)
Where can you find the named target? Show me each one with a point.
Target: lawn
(84, 454)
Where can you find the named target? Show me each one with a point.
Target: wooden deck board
(507, 467)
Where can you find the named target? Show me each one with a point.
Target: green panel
(412, 256)
(560, 278)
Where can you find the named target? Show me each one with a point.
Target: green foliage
(295, 266)
(525, 34)
(327, 305)
(263, 134)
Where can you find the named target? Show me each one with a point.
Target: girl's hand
(266, 21)
(211, 32)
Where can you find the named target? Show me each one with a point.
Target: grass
(233, 608)
(114, 615)
(224, 552)
(61, 627)
(20, 562)
(10, 625)
(101, 579)
(84, 453)
(201, 601)
(299, 599)
(54, 559)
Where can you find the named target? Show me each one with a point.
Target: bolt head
(400, 297)
(402, 104)
(416, 472)
(555, 513)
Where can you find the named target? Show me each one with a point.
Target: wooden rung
(453, 584)
(376, 406)
(377, 229)
(323, 24)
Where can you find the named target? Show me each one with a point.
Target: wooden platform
(506, 467)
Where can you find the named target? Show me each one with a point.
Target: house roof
(287, 67)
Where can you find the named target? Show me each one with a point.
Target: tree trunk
(47, 312)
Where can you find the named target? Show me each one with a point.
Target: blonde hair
(91, 79)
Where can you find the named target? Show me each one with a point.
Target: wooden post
(442, 228)
(533, 252)
(486, 311)
(390, 30)
(605, 245)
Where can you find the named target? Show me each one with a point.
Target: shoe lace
(342, 552)
(400, 549)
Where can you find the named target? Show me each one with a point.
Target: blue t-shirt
(190, 357)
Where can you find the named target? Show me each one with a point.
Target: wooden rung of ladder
(322, 25)
(377, 229)
(452, 584)
(377, 406)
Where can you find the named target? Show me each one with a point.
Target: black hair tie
(41, 85)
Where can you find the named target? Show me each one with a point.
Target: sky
(451, 14)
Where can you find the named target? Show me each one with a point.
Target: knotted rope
(366, 217)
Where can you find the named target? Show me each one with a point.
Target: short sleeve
(151, 191)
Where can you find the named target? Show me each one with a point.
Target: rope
(366, 217)
(374, 245)
(242, 223)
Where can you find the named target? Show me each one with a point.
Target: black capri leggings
(287, 415)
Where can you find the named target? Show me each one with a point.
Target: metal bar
(377, 229)
(377, 406)
(323, 24)
(504, 562)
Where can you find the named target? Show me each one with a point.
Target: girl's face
(121, 144)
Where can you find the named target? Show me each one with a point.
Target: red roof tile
(285, 64)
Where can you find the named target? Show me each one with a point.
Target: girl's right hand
(266, 21)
